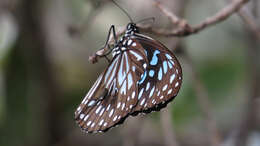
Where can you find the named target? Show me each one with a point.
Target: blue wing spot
(143, 76)
(160, 74)
(168, 56)
(140, 93)
(152, 91)
(172, 62)
(145, 52)
(151, 73)
(170, 65)
(165, 67)
(172, 78)
(129, 80)
(154, 60)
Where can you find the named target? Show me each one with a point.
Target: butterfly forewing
(111, 98)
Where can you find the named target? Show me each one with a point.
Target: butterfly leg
(101, 52)
(106, 47)
(105, 55)
(112, 28)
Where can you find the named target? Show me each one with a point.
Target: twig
(173, 17)
(186, 29)
(166, 123)
(252, 25)
(204, 103)
(249, 118)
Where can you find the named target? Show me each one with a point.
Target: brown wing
(139, 79)
(161, 79)
(111, 98)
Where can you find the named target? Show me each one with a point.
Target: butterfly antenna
(123, 10)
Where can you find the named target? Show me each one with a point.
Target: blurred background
(45, 73)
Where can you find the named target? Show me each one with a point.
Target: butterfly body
(143, 76)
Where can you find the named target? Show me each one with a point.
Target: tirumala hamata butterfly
(143, 76)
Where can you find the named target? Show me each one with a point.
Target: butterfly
(143, 76)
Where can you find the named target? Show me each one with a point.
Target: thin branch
(186, 29)
(172, 17)
(169, 135)
(249, 118)
(204, 103)
(249, 20)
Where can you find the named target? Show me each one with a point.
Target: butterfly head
(131, 28)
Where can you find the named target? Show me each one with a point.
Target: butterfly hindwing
(161, 79)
